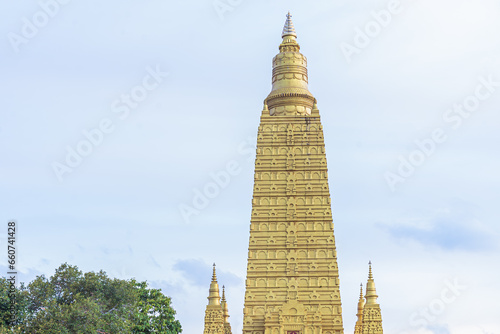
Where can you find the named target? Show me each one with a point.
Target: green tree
(73, 302)
(153, 313)
(13, 302)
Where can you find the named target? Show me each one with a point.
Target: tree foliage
(73, 302)
(153, 312)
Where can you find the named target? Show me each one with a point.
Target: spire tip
(289, 29)
(214, 275)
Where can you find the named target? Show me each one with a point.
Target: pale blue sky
(118, 208)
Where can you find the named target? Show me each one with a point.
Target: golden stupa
(292, 284)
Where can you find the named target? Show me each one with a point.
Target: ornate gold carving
(293, 207)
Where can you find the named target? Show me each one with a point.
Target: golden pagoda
(215, 314)
(292, 284)
(292, 281)
(358, 328)
(372, 316)
(225, 312)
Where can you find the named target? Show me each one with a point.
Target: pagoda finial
(214, 297)
(214, 275)
(358, 328)
(289, 29)
(225, 312)
(371, 294)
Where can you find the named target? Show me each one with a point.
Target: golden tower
(372, 316)
(292, 284)
(358, 328)
(225, 312)
(214, 314)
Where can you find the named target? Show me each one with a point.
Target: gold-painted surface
(372, 315)
(290, 93)
(225, 312)
(358, 328)
(214, 314)
(292, 280)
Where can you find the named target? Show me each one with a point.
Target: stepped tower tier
(292, 283)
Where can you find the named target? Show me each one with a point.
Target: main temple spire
(292, 283)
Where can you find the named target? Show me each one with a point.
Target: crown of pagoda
(290, 93)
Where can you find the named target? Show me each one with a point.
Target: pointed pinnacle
(289, 29)
(361, 291)
(370, 275)
(214, 275)
(223, 293)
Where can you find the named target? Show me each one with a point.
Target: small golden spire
(361, 303)
(214, 297)
(225, 312)
(358, 328)
(371, 293)
(265, 109)
(214, 314)
(372, 315)
(214, 275)
(224, 305)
